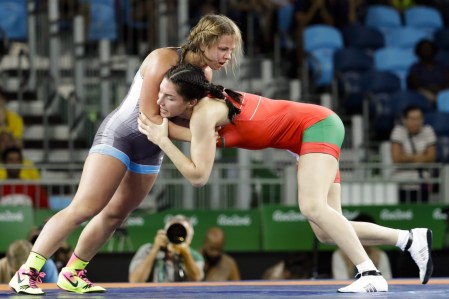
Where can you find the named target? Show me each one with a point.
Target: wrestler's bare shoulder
(162, 58)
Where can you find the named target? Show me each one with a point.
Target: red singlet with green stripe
(298, 127)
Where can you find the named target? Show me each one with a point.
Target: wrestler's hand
(155, 133)
(217, 134)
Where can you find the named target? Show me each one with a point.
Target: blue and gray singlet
(119, 137)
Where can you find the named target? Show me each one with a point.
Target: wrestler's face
(171, 103)
(218, 55)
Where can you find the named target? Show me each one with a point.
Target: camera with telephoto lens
(176, 233)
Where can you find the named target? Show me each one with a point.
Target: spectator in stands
(294, 266)
(218, 266)
(62, 255)
(6, 140)
(19, 169)
(413, 142)
(170, 258)
(10, 121)
(13, 155)
(15, 256)
(427, 76)
(342, 267)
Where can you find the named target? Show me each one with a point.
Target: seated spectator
(294, 266)
(6, 140)
(10, 121)
(18, 169)
(16, 256)
(170, 258)
(427, 76)
(343, 268)
(13, 155)
(413, 142)
(218, 266)
(62, 255)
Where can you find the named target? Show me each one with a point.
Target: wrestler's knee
(114, 216)
(311, 210)
(78, 214)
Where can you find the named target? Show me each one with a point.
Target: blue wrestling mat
(404, 289)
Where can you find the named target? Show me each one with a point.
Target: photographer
(170, 258)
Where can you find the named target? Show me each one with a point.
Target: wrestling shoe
(420, 247)
(76, 281)
(367, 282)
(25, 281)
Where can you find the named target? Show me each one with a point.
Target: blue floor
(406, 291)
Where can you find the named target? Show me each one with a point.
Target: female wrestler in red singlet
(312, 132)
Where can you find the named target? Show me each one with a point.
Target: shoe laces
(82, 274)
(35, 277)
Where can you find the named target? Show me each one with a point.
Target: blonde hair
(209, 30)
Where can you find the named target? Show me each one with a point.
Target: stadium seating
(14, 19)
(395, 60)
(404, 98)
(442, 146)
(362, 37)
(443, 56)
(424, 18)
(380, 86)
(382, 17)
(441, 38)
(127, 13)
(349, 65)
(405, 37)
(285, 22)
(439, 121)
(443, 101)
(320, 43)
(103, 20)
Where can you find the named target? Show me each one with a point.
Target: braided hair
(191, 83)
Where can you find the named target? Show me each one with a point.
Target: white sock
(403, 236)
(367, 265)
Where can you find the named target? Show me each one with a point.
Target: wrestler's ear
(192, 103)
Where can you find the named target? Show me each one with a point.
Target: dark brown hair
(192, 84)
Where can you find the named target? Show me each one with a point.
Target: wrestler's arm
(155, 66)
(198, 167)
